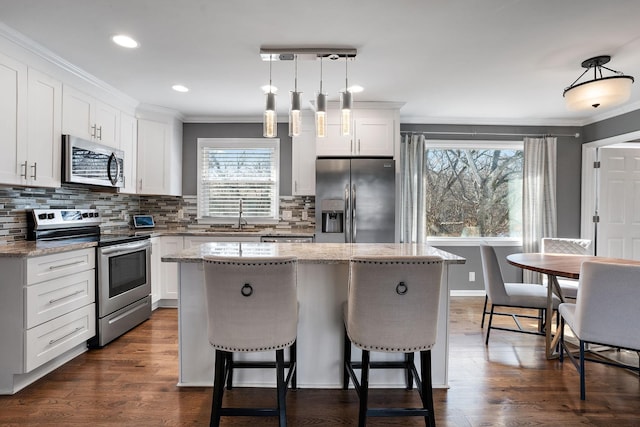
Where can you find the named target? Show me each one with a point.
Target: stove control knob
(42, 216)
(51, 216)
(85, 215)
(97, 214)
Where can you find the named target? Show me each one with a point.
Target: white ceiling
(448, 61)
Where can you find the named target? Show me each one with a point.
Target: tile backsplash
(169, 212)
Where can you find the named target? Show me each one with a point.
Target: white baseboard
(467, 293)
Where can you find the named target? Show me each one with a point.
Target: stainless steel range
(123, 267)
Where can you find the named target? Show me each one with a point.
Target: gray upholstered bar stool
(252, 306)
(392, 306)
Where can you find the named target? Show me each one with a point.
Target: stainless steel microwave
(88, 162)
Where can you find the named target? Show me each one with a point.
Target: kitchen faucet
(240, 219)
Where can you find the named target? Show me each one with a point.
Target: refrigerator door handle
(353, 214)
(346, 216)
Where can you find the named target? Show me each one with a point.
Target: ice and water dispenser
(332, 215)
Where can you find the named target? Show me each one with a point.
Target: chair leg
(229, 357)
(427, 388)
(346, 358)
(293, 364)
(408, 360)
(218, 388)
(486, 341)
(484, 310)
(282, 389)
(364, 389)
(582, 385)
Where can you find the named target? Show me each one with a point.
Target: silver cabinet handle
(51, 301)
(94, 131)
(100, 133)
(24, 165)
(352, 146)
(346, 219)
(35, 171)
(359, 146)
(66, 335)
(55, 267)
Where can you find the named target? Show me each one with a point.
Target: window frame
(239, 143)
(473, 144)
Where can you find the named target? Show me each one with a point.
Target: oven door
(123, 275)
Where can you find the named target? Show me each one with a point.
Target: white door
(618, 231)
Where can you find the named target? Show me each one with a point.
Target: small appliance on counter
(143, 221)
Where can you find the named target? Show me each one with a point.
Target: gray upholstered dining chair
(512, 295)
(392, 306)
(252, 306)
(605, 312)
(562, 245)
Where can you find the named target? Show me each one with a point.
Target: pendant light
(295, 125)
(346, 102)
(270, 122)
(321, 110)
(601, 91)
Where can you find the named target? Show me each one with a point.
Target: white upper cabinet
(30, 123)
(129, 144)
(303, 166)
(45, 127)
(159, 157)
(13, 121)
(87, 117)
(373, 133)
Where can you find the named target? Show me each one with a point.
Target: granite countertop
(25, 248)
(310, 253)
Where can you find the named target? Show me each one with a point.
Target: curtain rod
(574, 135)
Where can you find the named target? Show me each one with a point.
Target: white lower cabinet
(164, 275)
(47, 313)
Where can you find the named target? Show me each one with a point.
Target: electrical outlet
(286, 215)
(305, 215)
(180, 213)
(472, 276)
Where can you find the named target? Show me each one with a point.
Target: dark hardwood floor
(132, 381)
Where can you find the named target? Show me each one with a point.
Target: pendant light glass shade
(346, 103)
(321, 115)
(321, 110)
(295, 123)
(270, 120)
(601, 91)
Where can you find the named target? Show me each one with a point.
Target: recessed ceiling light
(265, 89)
(355, 89)
(124, 41)
(180, 88)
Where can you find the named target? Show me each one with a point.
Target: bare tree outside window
(473, 192)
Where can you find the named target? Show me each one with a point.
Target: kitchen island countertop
(319, 253)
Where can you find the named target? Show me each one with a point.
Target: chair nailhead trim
(249, 263)
(394, 262)
(393, 349)
(275, 347)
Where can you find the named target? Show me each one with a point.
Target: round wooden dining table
(557, 265)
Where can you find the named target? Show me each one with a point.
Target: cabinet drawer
(53, 338)
(53, 298)
(52, 266)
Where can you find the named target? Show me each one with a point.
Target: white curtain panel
(539, 196)
(412, 185)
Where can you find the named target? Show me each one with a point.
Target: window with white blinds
(231, 170)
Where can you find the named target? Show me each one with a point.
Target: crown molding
(42, 52)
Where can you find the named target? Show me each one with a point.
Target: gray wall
(192, 131)
(618, 125)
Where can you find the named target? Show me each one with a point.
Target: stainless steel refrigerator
(355, 200)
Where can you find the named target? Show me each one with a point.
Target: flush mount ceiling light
(270, 122)
(601, 91)
(180, 88)
(124, 41)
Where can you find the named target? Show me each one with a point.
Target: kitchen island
(322, 289)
